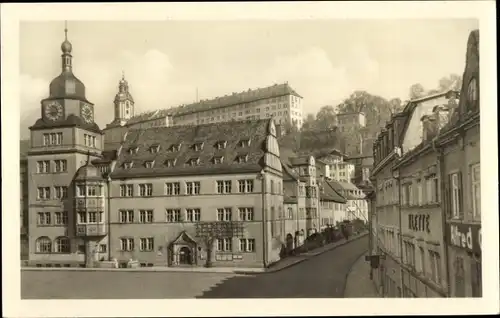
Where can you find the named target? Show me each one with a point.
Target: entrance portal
(185, 256)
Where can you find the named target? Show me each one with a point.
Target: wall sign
(419, 222)
(466, 236)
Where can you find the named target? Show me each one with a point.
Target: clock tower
(63, 139)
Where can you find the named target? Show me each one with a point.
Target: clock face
(87, 113)
(53, 111)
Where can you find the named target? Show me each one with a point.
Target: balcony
(91, 229)
(89, 203)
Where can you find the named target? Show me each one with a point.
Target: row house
(426, 217)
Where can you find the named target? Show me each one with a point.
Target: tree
(416, 91)
(451, 82)
(396, 105)
(309, 122)
(325, 118)
(209, 232)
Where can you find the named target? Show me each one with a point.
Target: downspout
(264, 218)
(400, 230)
(108, 219)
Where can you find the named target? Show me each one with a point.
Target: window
(198, 146)
(146, 244)
(246, 214)
(126, 216)
(456, 194)
(193, 215)
(224, 214)
(126, 244)
(91, 191)
(459, 277)
(61, 245)
(154, 149)
(435, 261)
(133, 150)
(472, 94)
(52, 139)
(127, 165)
(173, 215)
(193, 161)
(476, 277)
(432, 187)
(175, 148)
(61, 192)
(242, 158)
(193, 188)
(145, 190)
(170, 162)
(290, 213)
(420, 193)
(220, 145)
(476, 191)
(172, 188)
(43, 245)
(146, 216)
(43, 166)
(61, 218)
(126, 190)
(102, 248)
(89, 140)
(244, 143)
(43, 193)
(224, 186)
(218, 160)
(411, 200)
(92, 217)
(61, 165)
(43, 218)
(247, 245)
(245, 186)
(149, 164)
(82, 217)
(224, 245)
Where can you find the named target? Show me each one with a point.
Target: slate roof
(330, 194)
(219, 102)
(340, 186)
(233, 133)
(70, 121)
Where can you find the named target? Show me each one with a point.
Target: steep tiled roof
(341, 186)
(219, 102)
(232, 133)
(330, 194)
(288, 174)
(289, 192)
(24, 146)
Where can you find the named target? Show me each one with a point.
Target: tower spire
(65, 30)
(66, 48)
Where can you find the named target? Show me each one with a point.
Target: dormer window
(244, 143)
(149, 164)
(175, 148)
(194, 161)
(198, 146)
(170, 162)
(218, 160)
(127, 165)
(242, 158)
(221, 144)
(133, 150)
(154, 148)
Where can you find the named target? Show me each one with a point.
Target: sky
(167, 62)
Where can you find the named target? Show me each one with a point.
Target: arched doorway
(289, 242)
(185, 256)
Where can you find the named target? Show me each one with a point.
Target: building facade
(426, 218)
(279, 102)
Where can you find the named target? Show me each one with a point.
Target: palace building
(426, 222)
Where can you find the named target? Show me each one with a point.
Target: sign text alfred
(466, 236)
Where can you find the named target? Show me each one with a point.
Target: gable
(413, 132)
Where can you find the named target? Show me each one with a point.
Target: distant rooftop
(248, 96)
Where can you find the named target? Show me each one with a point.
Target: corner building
(168, 179)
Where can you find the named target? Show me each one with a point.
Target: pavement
(359, 284)
(320, 274)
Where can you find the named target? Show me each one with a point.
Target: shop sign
(466, 236)
(419, 222)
